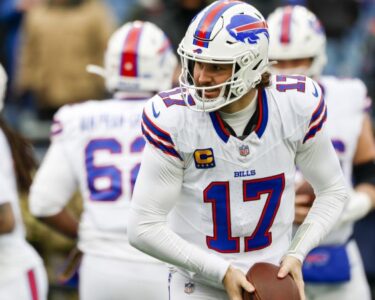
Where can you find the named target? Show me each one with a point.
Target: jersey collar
(259, 119)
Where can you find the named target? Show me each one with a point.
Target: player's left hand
(291, 265)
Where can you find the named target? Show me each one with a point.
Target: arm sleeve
(320, 166)
(54, 183)
(156, 192)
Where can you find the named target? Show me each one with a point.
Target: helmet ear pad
(139, 57)
(237, 36)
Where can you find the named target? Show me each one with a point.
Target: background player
(22, 274)
(97, 147)
(223, 171)
(297, 42)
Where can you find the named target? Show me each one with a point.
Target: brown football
(263, 276)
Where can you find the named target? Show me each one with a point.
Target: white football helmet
(3, 86)
(295, 32)
(226, 32)
(139, 57)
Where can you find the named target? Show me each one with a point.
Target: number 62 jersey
(237, 196)
(96, 147)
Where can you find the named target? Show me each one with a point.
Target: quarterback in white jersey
(96, 146)
(333, 270)
(221, 158)
(22, 274)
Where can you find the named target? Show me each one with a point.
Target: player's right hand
(235, 282)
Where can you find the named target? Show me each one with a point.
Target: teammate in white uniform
(297, 42)
(96, 147)
(22, 274)
(222, 169)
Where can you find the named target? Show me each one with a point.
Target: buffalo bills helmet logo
(316, 26)
(247, 29)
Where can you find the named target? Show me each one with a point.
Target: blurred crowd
(45, 46)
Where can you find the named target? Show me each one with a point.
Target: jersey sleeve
(316, 121)
(160, 126)
(302, 106)
(319, 164)
(303, 112)
(62, 123)
(147, 227)
(54, 182)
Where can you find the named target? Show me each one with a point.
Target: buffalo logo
(198, 51)
(247, 29)
(316, 259)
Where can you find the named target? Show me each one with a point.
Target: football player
(297, 43)
(22, 274)
(96, 147)
(221, 158)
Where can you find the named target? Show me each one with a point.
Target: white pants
(181, 288)
(30, 285)
(103, 278)
(357, 288)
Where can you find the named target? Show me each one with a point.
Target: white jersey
(96, 147)
(237, 196)
(16, 255)
(347, 102)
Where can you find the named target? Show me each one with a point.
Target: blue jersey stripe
(313, 130)
(166, 149)
(263, 114)
(318, 111)
(219, 126)
(160, 133)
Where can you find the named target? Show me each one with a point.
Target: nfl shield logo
(244, 150)
(189, 287)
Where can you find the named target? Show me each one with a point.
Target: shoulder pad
(162, 119)
(301, 104)
(59, 120)
(64, 121)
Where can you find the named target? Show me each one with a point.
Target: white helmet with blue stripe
(296, 33)
(226, 32)
(139, 58)
(3, 85)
